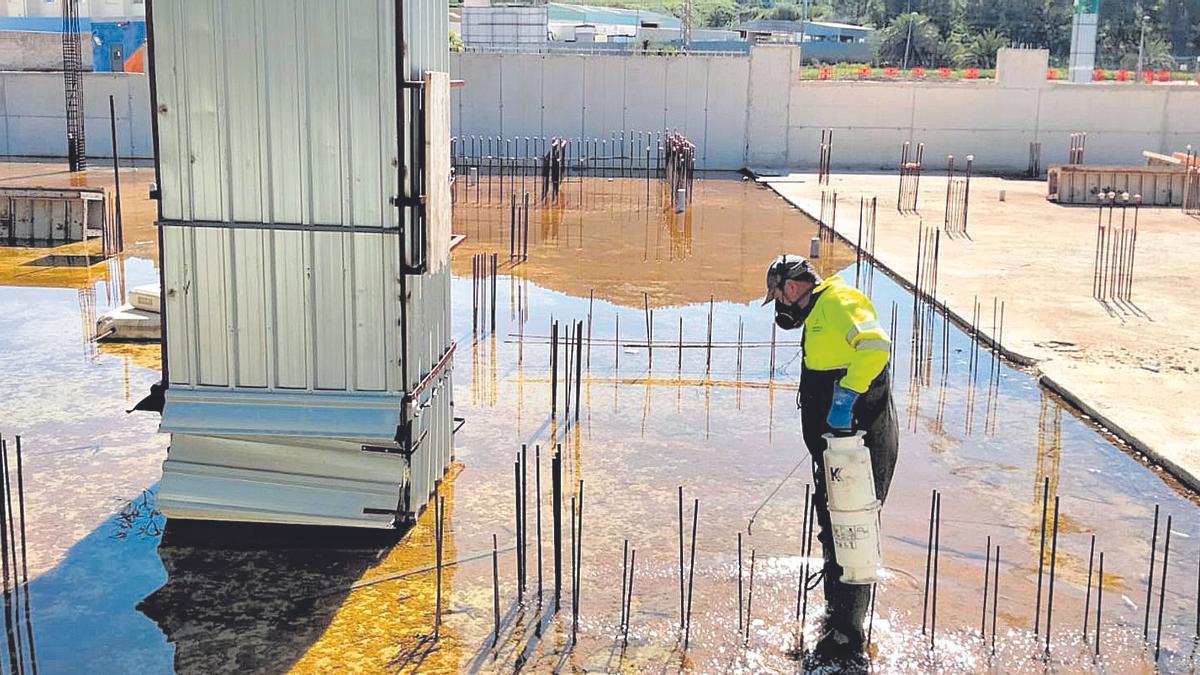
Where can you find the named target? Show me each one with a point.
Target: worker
(844, 387)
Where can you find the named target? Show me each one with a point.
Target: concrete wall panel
(866, 105)
(562, 95)
(965, 106)
(675, 94)
(771, 72)
(646, 89)
(725, 146)
(521, 95)
(604, 95)
(696, 102)
(480, 95)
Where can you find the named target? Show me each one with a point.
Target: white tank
(853, 508)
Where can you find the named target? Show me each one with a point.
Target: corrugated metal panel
(284, 310)
(287, 107)
(278, 154)
(354, 418)
(280, 481)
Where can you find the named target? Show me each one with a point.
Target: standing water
(109, 592)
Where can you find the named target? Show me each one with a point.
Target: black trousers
(874, 413)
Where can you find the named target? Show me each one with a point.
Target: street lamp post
(908, 38)
(1142, 45)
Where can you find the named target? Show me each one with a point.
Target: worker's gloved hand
(841, 412)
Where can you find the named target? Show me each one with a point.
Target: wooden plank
(437, 168)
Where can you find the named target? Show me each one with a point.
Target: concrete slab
(146, 298)
(1132, 368)
(128, 323)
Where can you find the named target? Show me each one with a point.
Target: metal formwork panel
(284, 310)
(274, 110)
(296, 327)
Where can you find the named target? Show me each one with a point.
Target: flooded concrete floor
(107, 596)
(1131, 361)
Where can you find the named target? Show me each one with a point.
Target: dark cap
(789, 266)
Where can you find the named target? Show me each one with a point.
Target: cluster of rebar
(864, 249)
(680, 163)
(925, 282)
(911, 165)
(518, 228)
(826, 157)
(958, 197)
(1078, 144)
(572, 370)
(992, 400)
(1116, 247)
(484, 268)
(1035, 160)
(806, 581)
(14, 559)
(826, 223)
(523, 163)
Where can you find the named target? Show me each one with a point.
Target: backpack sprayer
(853, 508)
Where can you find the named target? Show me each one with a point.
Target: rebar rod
(1037, 616)
(987, 569)
(1099, 601)
(1053, 565)
(687, 632)
(1087, 599)
(1162, 590)
(1150, 578)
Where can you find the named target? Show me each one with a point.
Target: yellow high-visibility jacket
(843, 331)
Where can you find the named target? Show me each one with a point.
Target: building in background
(820, 40)
(542, 27)
(112, 34)
(509, 27)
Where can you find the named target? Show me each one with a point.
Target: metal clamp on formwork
(409, 407)
(414, 246)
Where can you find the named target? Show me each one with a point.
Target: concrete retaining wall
(591, 96)
(33, 121)
(757, 112)
(741, 111)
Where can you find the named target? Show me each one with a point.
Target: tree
(1155, 56)
(784, 13)
(980, 51)
(716, 13)
(922, 47)
(456, 43)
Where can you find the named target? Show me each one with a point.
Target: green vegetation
(959, 33)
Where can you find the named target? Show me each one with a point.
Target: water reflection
(724, 427)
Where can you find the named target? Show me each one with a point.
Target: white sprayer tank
(853, 508)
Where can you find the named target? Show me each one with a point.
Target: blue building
(32, 32)
(824, 41)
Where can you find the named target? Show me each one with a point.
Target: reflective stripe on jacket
(843, 331)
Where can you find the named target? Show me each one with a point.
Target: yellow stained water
(724, 427)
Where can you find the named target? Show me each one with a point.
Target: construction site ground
(1134, 368)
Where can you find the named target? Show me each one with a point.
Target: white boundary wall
(756, 112)
(741, 111)
(33, 119)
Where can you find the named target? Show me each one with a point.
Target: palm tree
(910, 38)
(981, 49)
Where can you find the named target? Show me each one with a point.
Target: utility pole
(1142, 46)
(803, 32)
(907, 40)
(687, 25)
